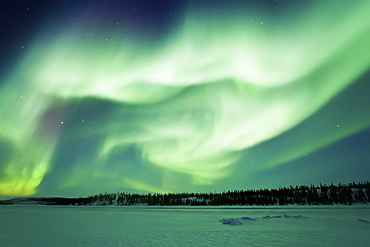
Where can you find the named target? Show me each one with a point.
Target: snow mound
(283, 216)
(365, 221)
(272, 217)
(238, 221)
(248, 218)
(231, 222)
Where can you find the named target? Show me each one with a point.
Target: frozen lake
(179, 226)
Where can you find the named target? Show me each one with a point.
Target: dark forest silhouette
(347, 194)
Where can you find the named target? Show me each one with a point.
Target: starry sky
(182, 96)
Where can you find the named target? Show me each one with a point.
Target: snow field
(175, 226)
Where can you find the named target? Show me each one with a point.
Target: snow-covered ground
(184, 226)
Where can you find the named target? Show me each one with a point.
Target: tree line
(352, 193)
(348, 194)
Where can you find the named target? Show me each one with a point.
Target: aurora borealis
(157, 96)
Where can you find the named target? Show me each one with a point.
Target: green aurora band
(191, 106)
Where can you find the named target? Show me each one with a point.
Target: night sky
(182, 96)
